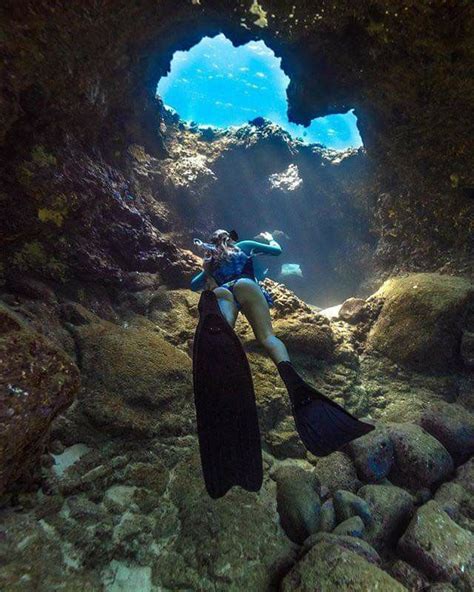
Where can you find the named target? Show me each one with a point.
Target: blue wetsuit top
(239, 265)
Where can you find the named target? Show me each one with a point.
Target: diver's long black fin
(323, 425)
(228, 430)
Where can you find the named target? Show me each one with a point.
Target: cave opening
(246, 166)
(215, 84)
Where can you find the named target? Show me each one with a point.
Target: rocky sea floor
(118, 501)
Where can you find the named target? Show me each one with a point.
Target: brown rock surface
(37, 381)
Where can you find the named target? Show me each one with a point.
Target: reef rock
(438, 547)
(327, 567)
(135, 382)
(420, 324)
(297, 502)
(421, 461)
(391, 509)
(37, 381)
(453, 426)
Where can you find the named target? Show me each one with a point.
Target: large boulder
(391, 509)
(37, 381)
(372, 455)
(136, 384)
(420, 461)
(453, 426)
(328, 567)
(421, 321)
(438, 547)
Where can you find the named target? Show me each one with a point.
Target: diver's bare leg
(227, 305)
(255, 308)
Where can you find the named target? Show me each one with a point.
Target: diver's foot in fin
(323, 426)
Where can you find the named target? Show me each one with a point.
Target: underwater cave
(263, 173)
(129, 387)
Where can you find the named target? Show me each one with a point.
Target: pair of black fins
(227, 422)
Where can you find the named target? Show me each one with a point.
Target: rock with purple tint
(372, 455)
(438, 547)
(453, 426)
(420, 461)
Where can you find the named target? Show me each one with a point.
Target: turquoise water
(215, 83)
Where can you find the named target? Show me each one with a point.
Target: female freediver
(230, 285)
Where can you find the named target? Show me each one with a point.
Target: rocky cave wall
(78, 88)
(316, 202)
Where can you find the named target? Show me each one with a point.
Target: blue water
(217, 84)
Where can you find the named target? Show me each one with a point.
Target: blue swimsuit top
(238, 265)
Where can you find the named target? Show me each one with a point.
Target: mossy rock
(438, 547)
(327, 567)
(421, 321)
(135, 382)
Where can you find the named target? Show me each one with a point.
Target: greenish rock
(438, 547)
(420, 323)
(353, 527)
(337, 471)
(407, 575)
(421, 461)
(455, 500)
(329, 568)
(136, 383)
(453, 426)
(234, 543)
(372, 455)
(119, 498)
(328, 517)
(391, 509)
(347, 504)
(350, 543)
(298, 502)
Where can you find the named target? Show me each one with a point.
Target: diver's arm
(249, 246)
(199, 281)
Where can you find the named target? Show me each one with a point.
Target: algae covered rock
(437, 546)
(327, 567)
(307, 334)
(347, 505)
(298, 502)
(350, 543)
(421, 461)
(391, 509)
(373, 455)
(135, 382)
(453, 426)
(421, 321)
(336, 471)
(37, 381)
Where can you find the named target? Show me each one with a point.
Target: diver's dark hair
(222, 239)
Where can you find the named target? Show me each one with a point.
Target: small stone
(347, 504)
(437, 546)
(327, 521)
(353, 527)
(373, 455)
(119, 498)
(421, 461)
(353, 310)
(298, 502)
(96, 473)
